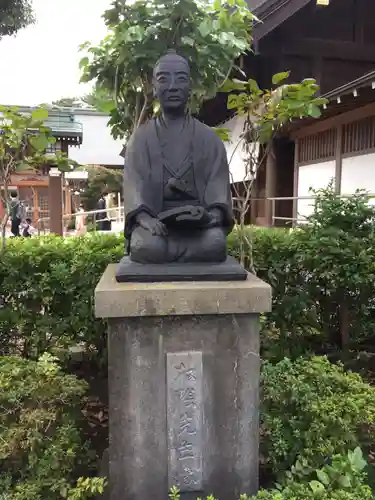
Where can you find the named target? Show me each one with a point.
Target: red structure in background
(46, 196)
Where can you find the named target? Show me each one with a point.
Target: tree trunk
(145, 111)
(4, 221)
(242, 236)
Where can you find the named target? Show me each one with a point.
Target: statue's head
(172, 82)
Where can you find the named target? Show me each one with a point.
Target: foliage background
(48, 285)
(312, 408)
(211, 35)
(14, 15)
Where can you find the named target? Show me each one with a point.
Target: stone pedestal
(183, 386)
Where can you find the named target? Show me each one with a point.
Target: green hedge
(323, 286)
(47, 293)
(322, 278)
(313, 409)
(343, 479)
(40, 441)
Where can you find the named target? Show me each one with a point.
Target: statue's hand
(216, 218)
(155, 226)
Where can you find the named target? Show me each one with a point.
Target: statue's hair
(171, 54)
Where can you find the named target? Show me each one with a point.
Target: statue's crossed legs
(201, 245)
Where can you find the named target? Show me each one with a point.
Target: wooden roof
(61, 122)
(272, 13)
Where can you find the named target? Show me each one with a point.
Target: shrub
(47, 293)
(336, 251)
(312, 409)
(40, 443)
(343, 479)
(321, 276)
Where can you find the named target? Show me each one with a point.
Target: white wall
(235, 149)
(358, 172)
(315, 176)
(98, 146)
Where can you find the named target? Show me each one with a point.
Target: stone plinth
(183, 386)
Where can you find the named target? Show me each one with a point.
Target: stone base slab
(129, 271)
(121, 300)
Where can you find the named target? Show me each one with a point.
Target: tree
(100, 99)
(23, 141)
(265, 113)
(14, 15)
(68, 102)
(211, 35)
(101, 181)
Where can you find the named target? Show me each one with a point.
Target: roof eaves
(352, 86)
(269, 8)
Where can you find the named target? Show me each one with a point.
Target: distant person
(16, 211)
(27, 229)
(101, 216)
(80, 220)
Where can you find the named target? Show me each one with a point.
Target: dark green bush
(312, 409)
(321, 275)
(47, 293)
(343, 479)
(322, 283)
(40, 442)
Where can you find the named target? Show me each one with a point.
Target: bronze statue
(177, 196)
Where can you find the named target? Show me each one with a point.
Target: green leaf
(232, 102)
(22, 167)
(313, 111)
(204, 28)
(187, 40)
(238, 84)
(323, 477)
(253, 85)
(345, 481)
(309, 81)
(84, 62)
(230, 85)
(39, 114)
(39, 142)
(222, 133)
(319, 101)
(279, 77)
(357, 460)
(316, 487)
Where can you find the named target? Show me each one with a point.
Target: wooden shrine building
(339, 147)
(45, 194)
(333, 43)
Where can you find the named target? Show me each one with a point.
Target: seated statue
(177, 196)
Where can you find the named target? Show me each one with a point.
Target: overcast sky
(40, 64)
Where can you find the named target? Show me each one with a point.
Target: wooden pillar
(55, 195)
(295, 181)
(270, 191)
(68, 200)
(338, 166)
(254, 201)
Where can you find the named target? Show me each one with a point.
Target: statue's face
(172, 84)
